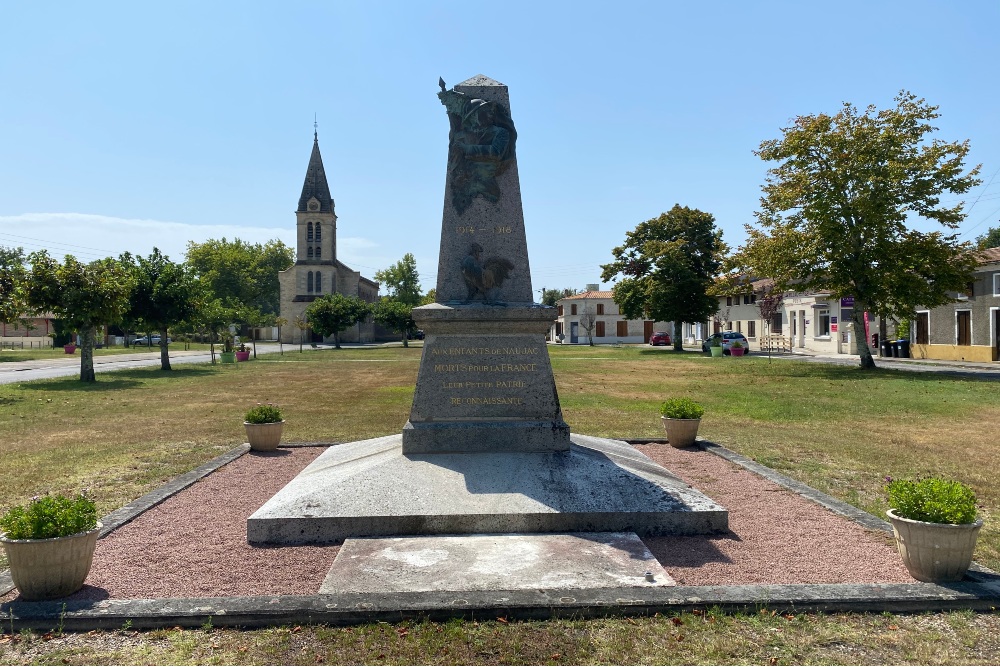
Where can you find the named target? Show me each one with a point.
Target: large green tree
(13, 275)
(164, 294)
(332, 313)
(402, 281)
(84, 296)
(550, 296)
(668, 265)
(241, 273)
(991, 239)
(835, 211)
(396, 316)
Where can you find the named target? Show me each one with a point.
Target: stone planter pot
(737, 351)
(227, 357)
(935, 552)
(69, 349)
(242, 356)
(52, 568)
(681, 432)
(716, 351)
(264, 437)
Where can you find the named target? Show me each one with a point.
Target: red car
(659, 338)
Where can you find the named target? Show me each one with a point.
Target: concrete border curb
(980, 594)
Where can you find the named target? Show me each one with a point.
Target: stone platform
(370, 488)
(460, 563)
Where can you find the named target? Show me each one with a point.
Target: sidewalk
(974, 368)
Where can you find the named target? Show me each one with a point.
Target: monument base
(493, 436)
(370, 488)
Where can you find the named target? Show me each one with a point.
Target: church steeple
(315, 184)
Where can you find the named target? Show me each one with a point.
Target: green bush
(264, 414)
(681, 408)
(737, 344)
(48, 517)
(716, 342)
(932, 500)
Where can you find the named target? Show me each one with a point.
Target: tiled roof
(589, 295)
(988, 256)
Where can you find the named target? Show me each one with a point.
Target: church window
(309, 280)
(309, 232)
(318, 232)
(319, 252)
(309, 252)
(319, 281)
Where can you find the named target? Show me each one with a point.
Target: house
(809, 321)
(32, 333)
(969, 328)
(595, 312)
(316, 270)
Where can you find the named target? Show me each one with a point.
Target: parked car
(659, 338)
(417, 334)
(150, 340)
(727, 338)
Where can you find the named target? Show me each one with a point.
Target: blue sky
(128, 125)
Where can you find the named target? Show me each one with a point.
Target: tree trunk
(336, 340)
(87, 355)
(678, 340)
(164, 353)
(864, 352)
(406, 343)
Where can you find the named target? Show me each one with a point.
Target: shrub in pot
(50, 545)
(934, 521)
(715, 348)
(737, 349)
(681, 418)
(264, 424)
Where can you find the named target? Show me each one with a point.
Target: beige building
(595, 312)
(316, 270)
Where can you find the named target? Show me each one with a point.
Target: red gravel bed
(775, 536)
(194, 543)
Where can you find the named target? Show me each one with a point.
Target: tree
(402, 281)
(396, 316)
(991, 239)
(669, 264)
(834, 211)
(588, 320)
(85, 296)
(303, 326)
(13, 277)
(551, 296)
(164, 294)
(240, 273)
(768, 304)
(429, 298)
(332, 313)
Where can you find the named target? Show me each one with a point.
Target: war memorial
(485, 450)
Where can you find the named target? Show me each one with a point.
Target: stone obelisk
(485, 382)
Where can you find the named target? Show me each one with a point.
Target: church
(316, 270)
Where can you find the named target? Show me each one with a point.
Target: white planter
(681, 432)
(52, 568)
(935, 552)
(264, 437)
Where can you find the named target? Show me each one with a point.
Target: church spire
(315, 184)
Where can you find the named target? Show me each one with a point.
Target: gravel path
(194, 544)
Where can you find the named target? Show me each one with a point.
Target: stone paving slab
(463, 563)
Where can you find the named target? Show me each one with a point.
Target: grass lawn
(839, 429)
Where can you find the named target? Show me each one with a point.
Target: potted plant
(681, 418)
(228, 356)
(715, 347)
(737, 349)
(263, 424)
(50, 545)
(934, 521)
(242, 352)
